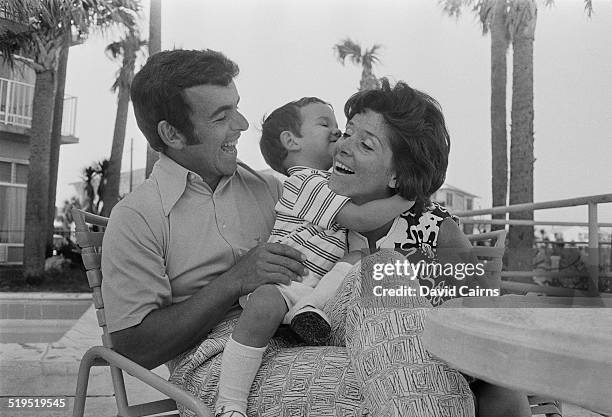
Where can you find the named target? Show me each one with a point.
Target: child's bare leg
(309, 321)
(494, 401)
(244, 350)
(261, 317)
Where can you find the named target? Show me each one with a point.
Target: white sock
(239, 365)
(325, 289)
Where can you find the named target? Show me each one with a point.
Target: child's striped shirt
(305, 219)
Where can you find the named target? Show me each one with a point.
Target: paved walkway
(49, 369)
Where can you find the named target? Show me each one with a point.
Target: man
(181, 248)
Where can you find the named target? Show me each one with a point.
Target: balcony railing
(16, 102)
(592, 260)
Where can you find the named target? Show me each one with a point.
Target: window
(449, 199)
(469, 204)
(21, 173)
(5, 171)
(13, 172)
(12, 214)
(13, 182)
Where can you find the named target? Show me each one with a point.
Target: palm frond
(126, 49)
(453, 8)
(484, 9)
(370, 57)
(348, 49)
(588, 7)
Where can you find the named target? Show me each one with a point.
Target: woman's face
(362, 167)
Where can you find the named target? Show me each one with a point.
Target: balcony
(16, 103)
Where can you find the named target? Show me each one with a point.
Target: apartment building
(16, 101)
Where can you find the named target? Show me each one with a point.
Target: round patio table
(553, 346)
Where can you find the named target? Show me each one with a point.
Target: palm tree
(89, 191)
(514, 21)
(95, 179)
(125, 50)
(154, 47)
(56, 132)
(523, 17)
(492, 15)
(352, 50)
(524, 14)
(49, 23)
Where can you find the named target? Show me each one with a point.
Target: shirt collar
(292, 170)
(172, 180)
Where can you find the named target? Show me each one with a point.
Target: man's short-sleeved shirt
(173, 235)
(305, 219)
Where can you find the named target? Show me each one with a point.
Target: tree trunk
(56, 136)
(111, 190)
(499, 141)
(37, 200)
(368, 80)
(154, 47)
(521, 149)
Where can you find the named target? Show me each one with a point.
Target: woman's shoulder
(438, 211)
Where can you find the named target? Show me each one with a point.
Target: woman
(395, 141)
(403, 130)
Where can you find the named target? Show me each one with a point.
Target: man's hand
(268, 263)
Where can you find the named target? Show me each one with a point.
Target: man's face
(217, 125)
(319, 132)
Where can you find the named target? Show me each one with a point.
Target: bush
(70, 278)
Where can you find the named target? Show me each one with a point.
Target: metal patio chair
(492, 258)
(90, 242)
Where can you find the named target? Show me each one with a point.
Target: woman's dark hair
(417, 134)
(285, 118)
(157, 89)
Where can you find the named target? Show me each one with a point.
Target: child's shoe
(312, 325)
(224, 412)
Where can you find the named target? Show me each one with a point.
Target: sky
(285, 51)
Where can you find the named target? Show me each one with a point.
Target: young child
(297, 140)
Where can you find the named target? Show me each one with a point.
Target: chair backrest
(90, 242)
(491, 256)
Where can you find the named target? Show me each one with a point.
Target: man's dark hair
(289, 118)
(417, 134)
(157, 90)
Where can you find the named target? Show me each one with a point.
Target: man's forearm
(166, 332)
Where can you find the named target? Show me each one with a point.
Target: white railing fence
(593, 258)
(16, 102)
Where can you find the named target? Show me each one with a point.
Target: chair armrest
(182, 397)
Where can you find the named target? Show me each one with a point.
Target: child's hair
(285, 118)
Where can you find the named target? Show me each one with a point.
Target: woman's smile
(362, 161)
(342, 169)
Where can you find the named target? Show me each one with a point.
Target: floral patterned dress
(415, 237)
